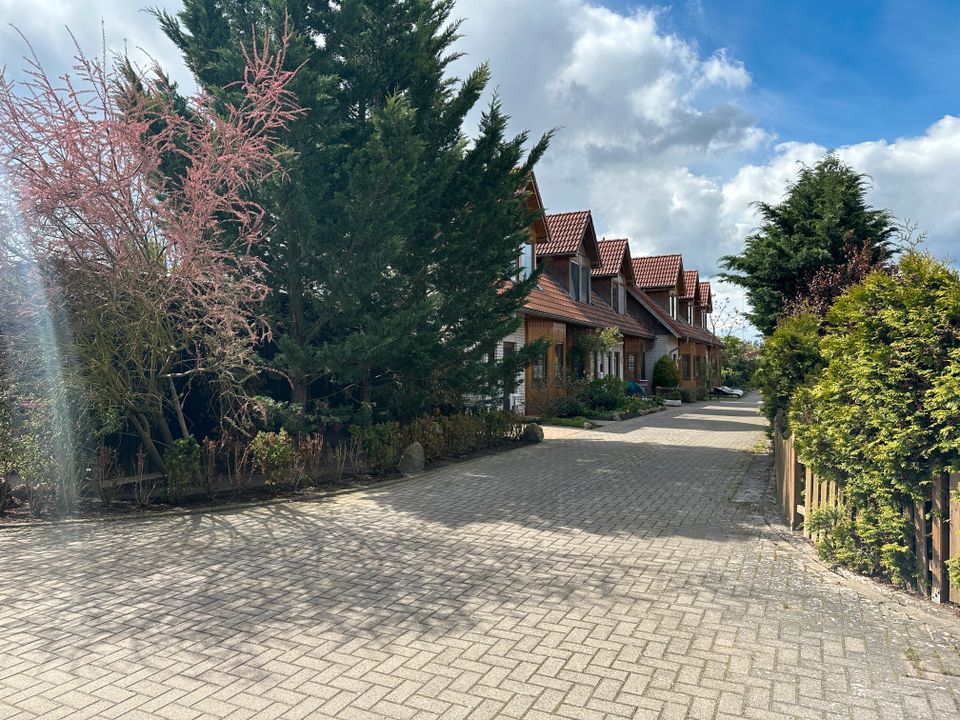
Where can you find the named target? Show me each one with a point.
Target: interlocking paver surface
(624, 572)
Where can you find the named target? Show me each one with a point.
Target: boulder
(533, 433)
(412, 461)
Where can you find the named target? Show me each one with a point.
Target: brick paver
(618, 573)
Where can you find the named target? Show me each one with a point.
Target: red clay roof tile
(705, 297)
(691, 283)
(550, 299)
(657, 272)
(566, 232)
(613, 253)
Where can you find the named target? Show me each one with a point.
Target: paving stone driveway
(616, 573)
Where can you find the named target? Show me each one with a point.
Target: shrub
(462, 434)
(637, 405)
(666, 374)
(5, 494)
(274, 455)
(688, 395)
(378, 445)
(608, 393)
(428, 432)
(498, 426)
(880, 417)
(569, 406)
(183, 463)
(668, 394)
(789, 359)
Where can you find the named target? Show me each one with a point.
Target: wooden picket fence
(800, 493)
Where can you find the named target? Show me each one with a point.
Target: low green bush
(183, 466)
(637, 405)
(668, 394)
(463, 434)
(688, 395)
(569, 406)
(381, 445)
(428, 432)
(666, 374)
(274, 454)
(607, 393)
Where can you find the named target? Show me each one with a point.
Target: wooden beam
(953, 549)
(920, 546)
(940, 535)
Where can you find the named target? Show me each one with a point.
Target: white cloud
(47, 25)
(642, 112)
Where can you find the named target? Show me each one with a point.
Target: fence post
(809, 485)
(796, 497)
(790, 471)
(954, 523)
(920, 546)
(939, 530)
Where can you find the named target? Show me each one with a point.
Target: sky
(673, 118)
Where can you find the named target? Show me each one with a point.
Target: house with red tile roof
(669, 299)
(578, 294)
(587, 285)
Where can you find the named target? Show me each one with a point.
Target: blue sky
(834, 72)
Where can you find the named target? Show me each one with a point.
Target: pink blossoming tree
(151, 271)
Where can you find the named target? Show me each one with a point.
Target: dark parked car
(725, 391)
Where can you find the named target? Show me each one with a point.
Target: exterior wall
(708, 370)
(539, 394)
(661, 298)
(662, 345)
(559, 269)
(601, 288)
(519, 338)
(634, 346)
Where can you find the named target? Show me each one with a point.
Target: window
(609, 363)
(686, 367)
(673, 305)
(558, 361)
(698, 366)
(509, 349)
(690, 314)
(575, 281)
(527, 261)
(631, 364)
(540, 368)
(616, 364)
(643, 365)
(618, 299)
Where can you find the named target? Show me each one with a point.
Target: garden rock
(413, 460)
(533, 433)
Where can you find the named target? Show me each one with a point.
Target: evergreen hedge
(880, 417)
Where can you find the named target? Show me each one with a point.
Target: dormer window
(527, 262)
(575, 280)
(673, 305)
(690, 314)
(618, 297)
(580, 278)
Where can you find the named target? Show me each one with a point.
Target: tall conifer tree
(396, 235)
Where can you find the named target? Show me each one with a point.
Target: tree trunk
(299, 396)
(164, 429)
(143, 430)
(175, 399)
